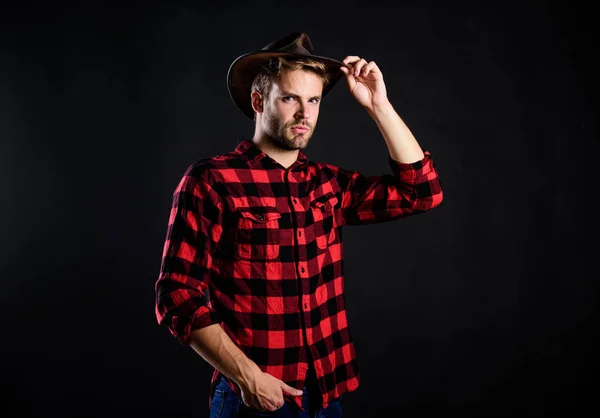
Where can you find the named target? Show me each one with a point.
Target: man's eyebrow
(287, 93)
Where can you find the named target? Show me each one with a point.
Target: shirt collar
(249, 151)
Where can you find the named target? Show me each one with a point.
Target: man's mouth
(300, 129)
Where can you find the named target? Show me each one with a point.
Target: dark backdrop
(486, 305)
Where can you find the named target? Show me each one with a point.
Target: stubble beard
(281, 135)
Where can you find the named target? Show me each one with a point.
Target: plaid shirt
(258, 249)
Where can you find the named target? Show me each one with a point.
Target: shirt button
(302, 269)
(299, 233)
(294, 200)
(261, 217)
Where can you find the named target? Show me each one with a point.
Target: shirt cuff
(203, 317)
(409, 172)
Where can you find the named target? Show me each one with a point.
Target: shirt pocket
(257, 234)
(323, 212)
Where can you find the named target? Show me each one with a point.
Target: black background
(485, 306)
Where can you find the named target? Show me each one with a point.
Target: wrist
(382, 110)
(247, 374)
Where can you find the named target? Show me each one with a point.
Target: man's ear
(256, 98)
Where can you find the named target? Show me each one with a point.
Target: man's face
(291, 110)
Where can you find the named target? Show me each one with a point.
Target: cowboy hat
(243, 69)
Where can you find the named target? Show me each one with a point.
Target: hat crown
(295, 43)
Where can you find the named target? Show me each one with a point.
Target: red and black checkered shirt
(257, 248)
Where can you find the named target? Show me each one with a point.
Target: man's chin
(293, 142)
(299, 141)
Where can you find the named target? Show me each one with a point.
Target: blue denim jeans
(227, 404)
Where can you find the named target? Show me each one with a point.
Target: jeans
(227, 404)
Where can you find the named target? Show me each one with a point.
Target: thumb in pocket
(288, 389)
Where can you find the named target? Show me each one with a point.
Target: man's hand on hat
(365, 82)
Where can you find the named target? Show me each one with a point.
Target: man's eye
(314, 100)
(288, 98)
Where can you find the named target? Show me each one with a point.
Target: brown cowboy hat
(243, 69)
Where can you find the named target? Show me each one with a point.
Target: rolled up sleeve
(193, 233)
(412, 188)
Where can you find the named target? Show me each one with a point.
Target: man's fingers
(358, 66)
(349, 72)
(292, 391)
(350, 80)
(368, 68)
(350, 59)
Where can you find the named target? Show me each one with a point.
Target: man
(251, 276)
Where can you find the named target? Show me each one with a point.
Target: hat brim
(242, 71)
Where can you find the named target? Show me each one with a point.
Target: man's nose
(303, 111)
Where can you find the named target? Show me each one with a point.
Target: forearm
(402, 144)
(215, 346)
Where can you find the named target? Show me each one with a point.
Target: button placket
(301, 242)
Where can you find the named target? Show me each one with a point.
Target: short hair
(276, 66)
